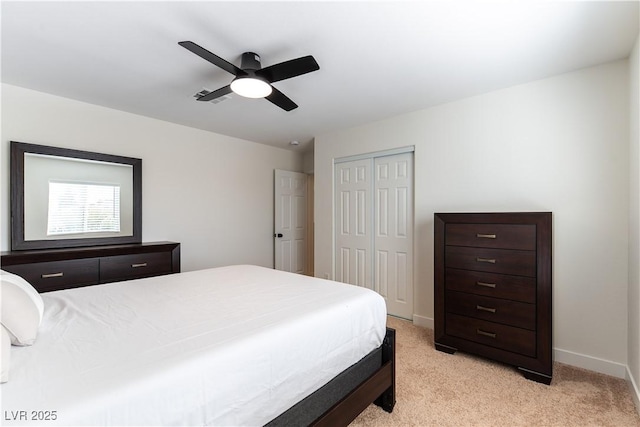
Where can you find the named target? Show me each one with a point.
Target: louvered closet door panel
(393, 231)
(353, 222)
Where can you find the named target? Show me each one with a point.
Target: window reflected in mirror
(83, 208)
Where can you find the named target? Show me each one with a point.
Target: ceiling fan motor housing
(250, 61)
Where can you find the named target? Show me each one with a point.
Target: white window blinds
(83, 208)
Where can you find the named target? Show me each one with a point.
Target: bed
(237, 345)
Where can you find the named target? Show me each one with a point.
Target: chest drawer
(125, 267)
(492, 334)
(54, 275)
(517, 288)
(519, 314)
(501, 236)
(503, 261)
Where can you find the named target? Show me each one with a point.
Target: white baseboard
(591, 363)
(425, 322)
(635, 392)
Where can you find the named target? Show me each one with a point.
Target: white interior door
(393, 244)
(290, 228)
(374, 227)
(353, 222)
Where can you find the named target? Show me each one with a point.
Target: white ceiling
(377, 59)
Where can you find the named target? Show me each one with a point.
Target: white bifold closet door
(374, 227)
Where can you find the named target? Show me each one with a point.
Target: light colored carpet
(438, 389)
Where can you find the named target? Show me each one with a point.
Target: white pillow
(5, 353)
(21, 308)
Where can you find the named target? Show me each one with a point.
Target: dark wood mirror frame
(18, 242)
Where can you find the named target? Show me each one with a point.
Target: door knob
(277, 235)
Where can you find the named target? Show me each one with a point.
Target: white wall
(211, 193)
(634, 221)
(307, 162)
(560, 145)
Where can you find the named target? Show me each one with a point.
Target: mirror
(63, 198)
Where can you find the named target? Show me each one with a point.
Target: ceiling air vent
(218, 100)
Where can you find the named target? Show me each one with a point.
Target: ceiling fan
(253, 81)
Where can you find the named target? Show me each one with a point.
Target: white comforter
(226, 346)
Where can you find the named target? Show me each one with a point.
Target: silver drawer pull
(486, 285)
(50, 275)
(482, 308)
(486, 236)
(489, 260)
(486, 334)
(142, 264)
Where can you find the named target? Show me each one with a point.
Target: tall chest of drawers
(492, 288)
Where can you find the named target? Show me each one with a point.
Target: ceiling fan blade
(216, 93)
(281, 100)
(212, 57)
(288, 69)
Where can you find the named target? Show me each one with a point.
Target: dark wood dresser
(54, 269)
(492, 287)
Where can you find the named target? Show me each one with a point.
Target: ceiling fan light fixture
(251, 87)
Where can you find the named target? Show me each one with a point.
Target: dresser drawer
(513, 313)
(500, 236)
(505, 337)
(54, 275)
(517, 288)
(503, 261)
(124, 267)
